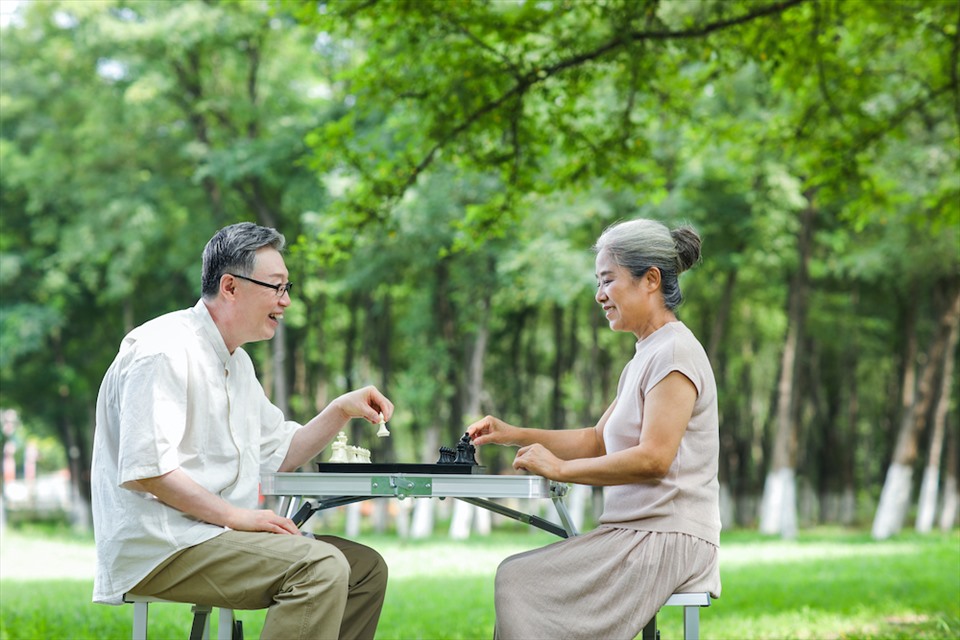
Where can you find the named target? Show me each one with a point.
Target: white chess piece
(340, 449)
(382, 433)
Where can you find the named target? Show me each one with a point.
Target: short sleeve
(153, 417)
(673, 355)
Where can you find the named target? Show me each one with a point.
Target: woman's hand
(490, 430)
(538, 460)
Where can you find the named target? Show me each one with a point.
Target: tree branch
(531, 78)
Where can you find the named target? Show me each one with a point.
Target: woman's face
(620, 295)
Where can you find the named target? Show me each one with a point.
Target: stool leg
(225, 625)
(691, 623)
(650, 631)
(201, 623)
(140, 612)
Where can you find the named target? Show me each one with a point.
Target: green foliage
(555, 95)
(441, 170)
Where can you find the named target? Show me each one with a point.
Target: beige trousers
(607, 583)
(315, 588)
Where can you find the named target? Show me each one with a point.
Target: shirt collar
(211, 331)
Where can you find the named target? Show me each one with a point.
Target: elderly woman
(655, 449)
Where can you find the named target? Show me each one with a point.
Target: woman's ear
(652, 278)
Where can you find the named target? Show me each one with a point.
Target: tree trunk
(721, 317)
(778, 512)
(929, 487)
(557, 412)
(76, 445)
(281, 394)
(384, 449)
(847, 509)
(464, 513)
(951, 495)
(895, 496)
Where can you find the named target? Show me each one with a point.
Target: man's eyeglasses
(279, 288)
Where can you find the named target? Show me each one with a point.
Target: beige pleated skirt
(604, 585)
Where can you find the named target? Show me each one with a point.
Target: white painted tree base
(778, 511)
(894, 500)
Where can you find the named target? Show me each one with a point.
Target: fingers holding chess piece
(465, 451)
(382, 433)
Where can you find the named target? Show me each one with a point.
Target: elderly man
(184, 431)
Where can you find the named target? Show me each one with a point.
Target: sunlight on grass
(828, 584)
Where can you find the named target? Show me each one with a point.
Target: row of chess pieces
(343, 452)
(463, 453)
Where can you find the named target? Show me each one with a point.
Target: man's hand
(260, 520)
(367, 403)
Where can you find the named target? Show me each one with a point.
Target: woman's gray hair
(637, 245)
(234, 249)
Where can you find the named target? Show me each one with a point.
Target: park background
(440, 169)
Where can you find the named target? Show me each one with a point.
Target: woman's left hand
(538, 460)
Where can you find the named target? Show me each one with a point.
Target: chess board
(399, 467)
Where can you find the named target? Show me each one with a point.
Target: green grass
(827, 584)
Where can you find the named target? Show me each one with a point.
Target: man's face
(260, 309)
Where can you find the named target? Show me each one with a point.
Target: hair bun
(687, 241)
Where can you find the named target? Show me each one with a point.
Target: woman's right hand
(490, 430)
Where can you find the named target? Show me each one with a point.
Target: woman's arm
(667, 410)
(566, 444)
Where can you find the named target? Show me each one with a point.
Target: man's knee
(323, 563)
(367, 566)
(378, 569)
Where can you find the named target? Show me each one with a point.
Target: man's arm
(178, 490)
(367, 403)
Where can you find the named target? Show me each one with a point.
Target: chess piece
(340, 449)
(465, 451)
(382, 433)
(447, 455)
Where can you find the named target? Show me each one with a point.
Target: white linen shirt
(175, 398)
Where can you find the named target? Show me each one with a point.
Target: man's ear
(228, 286)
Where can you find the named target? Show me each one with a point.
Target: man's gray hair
(234, 249)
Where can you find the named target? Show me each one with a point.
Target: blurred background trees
(441, 170)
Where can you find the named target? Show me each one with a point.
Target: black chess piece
(466, 451)
(447, 455)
